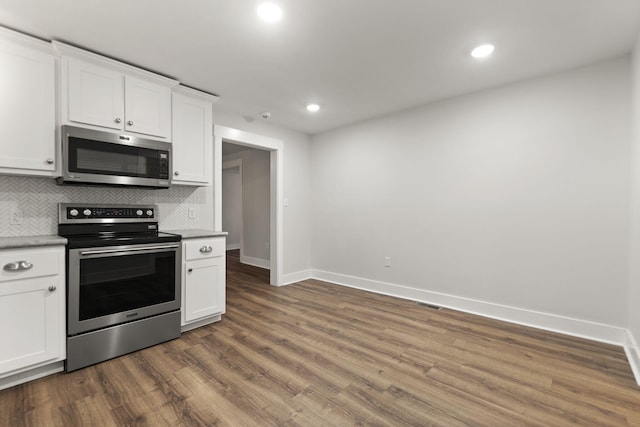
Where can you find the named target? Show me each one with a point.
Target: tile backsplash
(38, 200)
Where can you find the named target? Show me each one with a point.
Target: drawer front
(204, 248)
(17, 264)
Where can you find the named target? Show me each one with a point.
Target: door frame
(275, 148)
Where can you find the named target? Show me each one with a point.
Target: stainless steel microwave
(105, 158)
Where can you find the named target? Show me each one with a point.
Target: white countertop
(196, 233)
(30, 241)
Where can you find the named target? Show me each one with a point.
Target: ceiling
(357, 59)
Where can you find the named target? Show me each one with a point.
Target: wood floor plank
(317, 354)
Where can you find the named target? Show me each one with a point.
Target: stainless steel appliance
(104, 158)
(123, 281)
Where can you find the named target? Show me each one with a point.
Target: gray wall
(517, 196)
(634, 247)
(232, 206)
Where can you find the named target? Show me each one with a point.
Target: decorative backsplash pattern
(38, 200)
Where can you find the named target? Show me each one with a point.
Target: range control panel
(69, 212)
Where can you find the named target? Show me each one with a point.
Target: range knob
(139, 212)
(86, 212)
(149, 212)
(73, 212)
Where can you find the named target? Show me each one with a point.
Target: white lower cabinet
(32, 308)
(203, 281)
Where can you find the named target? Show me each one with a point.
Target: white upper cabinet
(96, 94)
(147, 107)
(27, 106)
(100, 92)
(192, 137)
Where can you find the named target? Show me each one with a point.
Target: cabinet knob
(130, 122)
(52, 288)
(18, 266)
(49, 161)
(118, 120)
(206, 249)
(190, 270)
(176, 173)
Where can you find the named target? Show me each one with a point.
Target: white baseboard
(296, 276)
(632, 350)
(201, 322)
(31, 375)
(550, 322)
(233, 246)
(256, 262)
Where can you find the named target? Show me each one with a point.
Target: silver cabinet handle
(130, 122)
(176, 173)
(206, 249)
(118, 120)
(52, 288)
(18, 266)
(49, 161)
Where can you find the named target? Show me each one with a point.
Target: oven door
(118, 284)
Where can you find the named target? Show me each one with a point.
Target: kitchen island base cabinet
(32, 309)
(203, 284)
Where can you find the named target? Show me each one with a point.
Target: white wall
(255, 192)
(517, 197)
(296, 173)
(633, 339)
(232, 206)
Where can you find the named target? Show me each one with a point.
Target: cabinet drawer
(204, 248)
(29, 263)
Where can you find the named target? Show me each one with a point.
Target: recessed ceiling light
(269, 12)
(483, 51)
(313, 108)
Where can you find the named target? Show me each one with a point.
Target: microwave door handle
(127, 251)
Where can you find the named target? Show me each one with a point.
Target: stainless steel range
(123, 281)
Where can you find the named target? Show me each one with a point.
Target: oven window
(121, 283)
(105, 158)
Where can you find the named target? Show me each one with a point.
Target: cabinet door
(27, 110)
(204, 288)
(192, 141)
(148, 108)
(30, 324)
(95, 95)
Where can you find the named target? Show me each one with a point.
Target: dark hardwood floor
(316, 354)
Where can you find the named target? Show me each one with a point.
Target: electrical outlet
(387, 261)
(193, 213)
(17, 217)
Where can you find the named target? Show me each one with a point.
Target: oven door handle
(124, 251)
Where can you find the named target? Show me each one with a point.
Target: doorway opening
(246, 203)
(274, 148)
